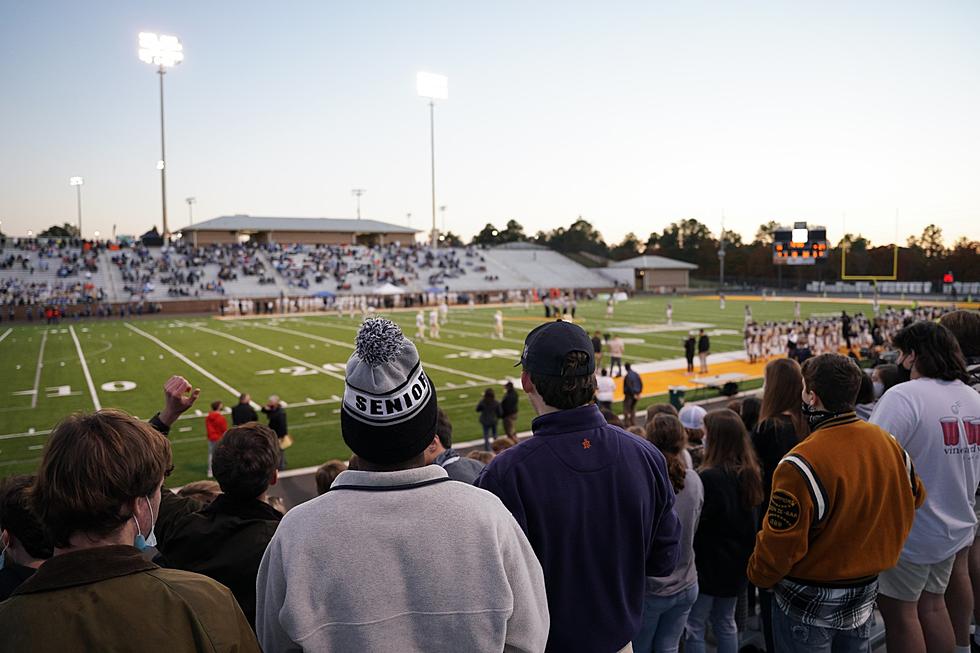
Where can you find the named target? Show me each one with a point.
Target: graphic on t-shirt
(972, 427)
(951, 430)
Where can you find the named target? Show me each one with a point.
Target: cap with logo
(546, 346)
(389, 410)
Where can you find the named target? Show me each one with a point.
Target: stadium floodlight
(190, 208)
(77, 183)
(163, 51)
(435, 87)
(357, 192)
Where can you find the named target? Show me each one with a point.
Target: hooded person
(386, 581)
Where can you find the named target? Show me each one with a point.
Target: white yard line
(185, 359)
(272, 352)
(5, 334)
(88, 377)
(37, 371)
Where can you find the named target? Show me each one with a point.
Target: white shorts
(907, 580)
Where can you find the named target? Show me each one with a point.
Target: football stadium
(660, 332)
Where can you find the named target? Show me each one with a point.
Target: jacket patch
(784, 511)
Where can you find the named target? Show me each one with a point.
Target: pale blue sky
(632, 114)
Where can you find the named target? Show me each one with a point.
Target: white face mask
(151, 539)
(879, 389)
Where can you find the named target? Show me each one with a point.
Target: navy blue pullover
(597, 506)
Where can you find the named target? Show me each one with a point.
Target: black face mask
(814, 416)
(903, 374)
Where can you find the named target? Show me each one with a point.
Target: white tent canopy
(388, 289)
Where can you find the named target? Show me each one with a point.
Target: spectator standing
(616, 351)
(965, 327)
(576, 465)
(508, 408)
(215, 424)
(927, 416)
(25, 543)
(704, 348)
(382, 582)
(605, 390)
(276, 414)
(632, 388)
(440, 452)
(597, 348)
(726, 531)
(865, 401)
(98, 585)
(669, 599)
(689, 346)
(838, 517)
(327, 473)
(225, 540)
(692, 419)
(490, 412)
(242, 412)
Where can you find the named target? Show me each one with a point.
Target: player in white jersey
(796, 310)
(420, 325)
(721, 300)
(498, 325)
(434, 324)
(748, 314)
(443, 312)
(610, 306)
(670, 313)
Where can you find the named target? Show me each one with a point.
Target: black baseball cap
(546, 346)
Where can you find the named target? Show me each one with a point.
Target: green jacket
(112, 599)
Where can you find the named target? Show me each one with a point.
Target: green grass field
(302, 360)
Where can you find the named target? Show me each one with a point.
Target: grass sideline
(301, 358)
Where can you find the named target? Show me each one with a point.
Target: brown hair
(728, 447)
(483, 456)
(660, 409)
(965, 327)
(203, 491)
(245, 460)
(444, 429)
(215, 405)
(502, 443)
(94, 466)
(666, 433)
(566, 392)
(783, 393)
(19, 520)
(835, 379)
(327, 473)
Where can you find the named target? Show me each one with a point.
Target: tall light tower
(721, 254)
(435, 87)
(357, 192)
(164, 52)
(77, 183)
(190, 208)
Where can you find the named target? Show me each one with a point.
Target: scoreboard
(799, 245)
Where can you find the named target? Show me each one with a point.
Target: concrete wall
(654, 279)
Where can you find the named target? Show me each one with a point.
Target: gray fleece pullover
(401, 561)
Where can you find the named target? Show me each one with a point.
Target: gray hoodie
(401, 561)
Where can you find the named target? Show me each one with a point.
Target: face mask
(815, 416)
(879, 389)
(151, 540)
(904, 373)
(3, 556)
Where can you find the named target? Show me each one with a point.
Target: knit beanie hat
(389, 410)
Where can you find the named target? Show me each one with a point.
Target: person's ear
(434, 444)
(526, 384)
(275, 478)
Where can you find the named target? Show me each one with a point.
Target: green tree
(489, 235)
(581, 236)
(449, 239)
(65, 231)
(930, 242)
(764, 234)
(513, 232)
(629, 248)
(854, 243)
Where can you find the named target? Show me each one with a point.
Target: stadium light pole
(164, 52)
(721, 255)
(357, 192)
(434, 87)
(190, 208)
(77, 183)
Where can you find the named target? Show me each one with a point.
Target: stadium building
(657, 273)
(229, 229)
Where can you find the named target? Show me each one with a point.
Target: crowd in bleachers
(838, 492)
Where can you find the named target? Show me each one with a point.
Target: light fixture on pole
(77, 183)
(190, 208)
(435, 87)
(357, 192)
(721, 254)
(164, 52)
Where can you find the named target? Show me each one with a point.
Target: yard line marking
(273, 352)
(303, 334)
(5, 334)
(88, 377)
(185, 359)
(37, 373)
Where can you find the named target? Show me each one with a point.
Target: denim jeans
(488, 430)
(792, 636)
(664, 618)
(721, 612)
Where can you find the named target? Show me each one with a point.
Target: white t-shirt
(606, 389)
(932, 420)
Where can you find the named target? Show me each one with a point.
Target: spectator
(489, 409)
(502, 443)
(597, 347)
(382, 581)
(965, 327)
(25, 544)
(751, 407)
(885, 376)
(632, 388)
(605, 390)
(638, 431)
(216, 425)
(440, 452)
(924, 415)
(726, 531)
(242, 412)
(611, 418)
(98, 493)
(689, 346)
(327, 473)
(575, 465)
(276, 413)
(508, 408)
(203, 492)
(660, 409)
(226, 539)
(616, 351)
(704, 348)
(865, 401)
(838, 517)
(669, 599)
(692, 419)
(481, 456)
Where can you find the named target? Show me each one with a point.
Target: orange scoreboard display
(799, 245)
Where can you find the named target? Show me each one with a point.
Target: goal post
(867, 277)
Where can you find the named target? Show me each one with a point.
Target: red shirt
(216, 425)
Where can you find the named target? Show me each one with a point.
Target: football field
(50, 371)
